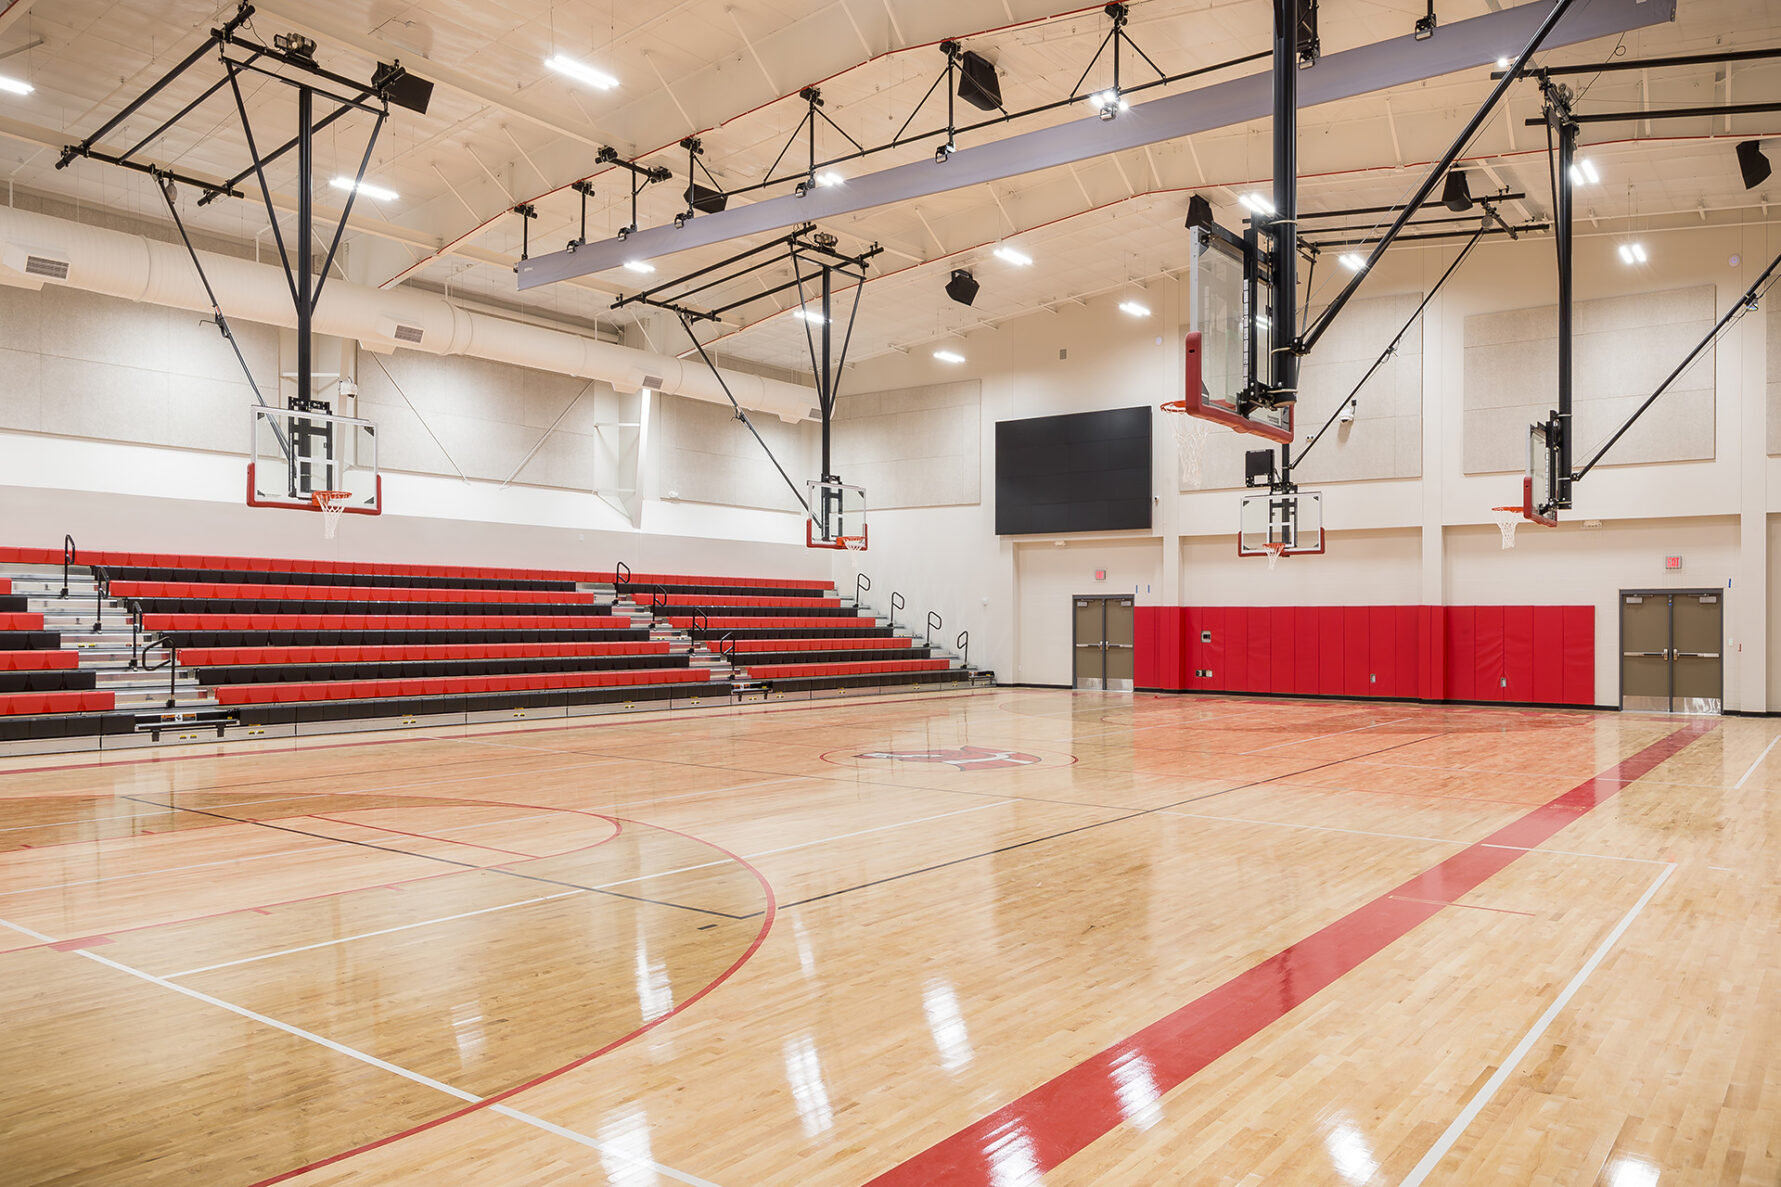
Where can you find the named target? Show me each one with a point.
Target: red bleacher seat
(20, 622)
(89, 701)
(858, 643)
(200, 657)
(37, 661)
(861, 668)
(349, 690)
(377, 622)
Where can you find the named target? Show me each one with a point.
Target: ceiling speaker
(1456, 194)
(962, 287)
(1199, 212)
(978, 84)
(1752, 164)
(402, 88)
(704, 200)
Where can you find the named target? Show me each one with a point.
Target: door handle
(1127, 646)
(1697, 654)
(1646, 654)
(1095, 645)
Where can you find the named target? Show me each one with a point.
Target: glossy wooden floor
(749, 948)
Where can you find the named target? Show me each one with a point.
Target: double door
(1103, 651)
(1672, 650)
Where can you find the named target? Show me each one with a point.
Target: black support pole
(825, 385)
(1566, 128)
(304, 254)
(1283, 368)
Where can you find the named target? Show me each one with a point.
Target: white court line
(25, 931)
(405, 1073)
(563, 894)
(1482, 1097)
(368, 934)
(152, 873)
(606, 1149)
(299, 1032)
(881, 828)
(1320, 737)
(1361, 832)
(1738, 786)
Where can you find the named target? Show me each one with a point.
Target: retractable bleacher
(261, 646)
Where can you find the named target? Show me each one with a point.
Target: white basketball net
(1507, 519)
(854, 543)
(332, 504)
(1275, 552)
(1191, 435)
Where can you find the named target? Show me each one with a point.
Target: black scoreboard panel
(1085, 472)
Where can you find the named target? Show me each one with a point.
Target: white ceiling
(503, 129)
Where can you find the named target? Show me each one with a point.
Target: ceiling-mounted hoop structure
(1281, 523)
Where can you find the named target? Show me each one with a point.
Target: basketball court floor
(1000, 937)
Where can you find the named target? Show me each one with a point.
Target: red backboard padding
(1522, 654)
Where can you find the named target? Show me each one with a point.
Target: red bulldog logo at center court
(965, 758)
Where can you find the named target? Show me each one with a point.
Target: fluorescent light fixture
(1632, 253)
(1134, 308)
(1256, 204)
(639, 266)
(1019, 259)
(1583, 172)
(375, 192)
(1353, 261)
(809, 315)
(581, 72)
(829, 177)
(949, 356)
(16, 86)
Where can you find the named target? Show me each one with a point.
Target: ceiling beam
(1463, 45)
(301, 17)
(12, 12)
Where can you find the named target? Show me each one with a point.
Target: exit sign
(1672, 564)
(1101, 574)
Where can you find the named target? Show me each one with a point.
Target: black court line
(1133, 815)
(283, 828)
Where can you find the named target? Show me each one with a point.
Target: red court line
(772, 909)
(1057, 1120)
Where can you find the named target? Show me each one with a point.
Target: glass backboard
(1222, 328)
(837, 516)
(1539, 486)
(1291, 523)
(293, 455)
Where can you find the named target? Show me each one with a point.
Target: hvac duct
(116, 264)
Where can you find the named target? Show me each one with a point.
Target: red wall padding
(1522, 654)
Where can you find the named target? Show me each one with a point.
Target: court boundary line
(1329, 828)
(1457, 1127)
(1739, 785)
(1066, 1113)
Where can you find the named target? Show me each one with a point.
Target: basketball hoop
(1275, 550)
(1507, 518)
(852, 543)
(1191, 435)
(332, 505)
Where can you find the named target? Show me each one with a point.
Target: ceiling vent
(35, 263)
(409, 334)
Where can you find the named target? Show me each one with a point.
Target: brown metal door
(1120, 644)
(1696, 653)
(1090, 651)
(1671, 651)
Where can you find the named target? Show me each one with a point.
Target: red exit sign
(1672, 564)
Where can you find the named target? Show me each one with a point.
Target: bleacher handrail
(963, 643)
(70, 554)
(621, 574)
(862, 585)
(171, 663)
(896, 604)
(101, 591)
(935, 622)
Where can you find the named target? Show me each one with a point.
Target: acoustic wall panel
(1084, 472)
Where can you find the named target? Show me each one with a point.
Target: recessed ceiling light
(375, 192)
(1583, 172)
(581, 72)
(829, 177)
(1012, 256)
(948, 356)
(17, 86)
(639, 266)
(809, 315)
(1256, 204)
(1352, 261)
(1134, 308)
